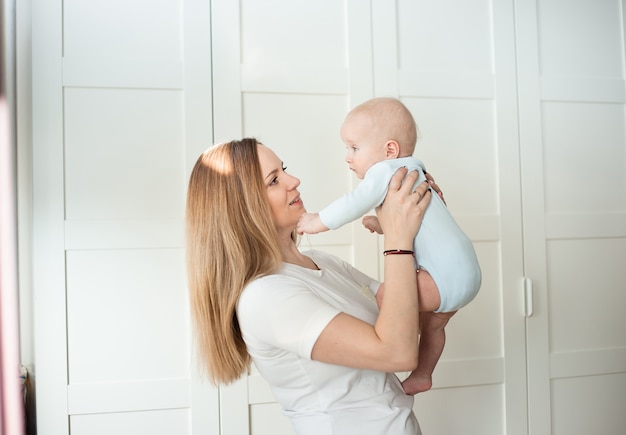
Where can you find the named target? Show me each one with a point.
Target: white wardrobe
(521, 106)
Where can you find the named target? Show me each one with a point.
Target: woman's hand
(401, 213)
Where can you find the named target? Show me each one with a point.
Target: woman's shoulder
(286, 276)
(266, 289)
(286, 287)
(270, 281)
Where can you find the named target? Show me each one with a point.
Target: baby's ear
(392, 149)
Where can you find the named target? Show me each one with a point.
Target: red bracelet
(398, 251)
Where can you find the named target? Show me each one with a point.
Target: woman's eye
(274, 180)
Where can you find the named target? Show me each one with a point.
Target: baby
(380, 137)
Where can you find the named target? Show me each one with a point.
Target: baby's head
(378, 129)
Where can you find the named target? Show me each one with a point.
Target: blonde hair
(390, 120)
(231, 240)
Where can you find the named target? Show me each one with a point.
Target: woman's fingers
(401, 213)
(408, 182)
(420, 191)
(424, 199)
(396, 180)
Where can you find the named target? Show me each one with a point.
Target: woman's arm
(391, 344)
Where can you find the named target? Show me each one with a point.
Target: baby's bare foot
(417, 384)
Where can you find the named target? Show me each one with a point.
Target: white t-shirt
(282, 315)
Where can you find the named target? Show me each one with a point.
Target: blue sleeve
(368, 194)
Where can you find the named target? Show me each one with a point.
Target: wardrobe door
(287, 73)
(573, 148)
(121, 109)
(453, 65)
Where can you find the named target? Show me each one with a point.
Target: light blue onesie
(441, 247)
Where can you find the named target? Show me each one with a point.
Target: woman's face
(284, 198)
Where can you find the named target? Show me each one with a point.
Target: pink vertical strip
(11, 401)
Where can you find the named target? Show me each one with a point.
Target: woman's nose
(295, 182)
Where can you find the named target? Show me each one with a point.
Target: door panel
(468, 130)
(130, 423)
(287, 75)
(127, 117)
(293, 99)
(485, 416)
(574, 212)
(106, 343)
(599, 399)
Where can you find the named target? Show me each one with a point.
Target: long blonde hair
(231, 239)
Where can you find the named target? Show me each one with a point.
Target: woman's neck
(292, 255)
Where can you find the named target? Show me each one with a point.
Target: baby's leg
(427, 295)
(432, 335)
(432, 341)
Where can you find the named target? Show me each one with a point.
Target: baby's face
(363, 148)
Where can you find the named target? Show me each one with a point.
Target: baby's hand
(372, 224)
(310, 223)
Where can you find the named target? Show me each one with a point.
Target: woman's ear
(392, 149)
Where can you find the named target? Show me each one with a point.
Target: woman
(308, 321)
